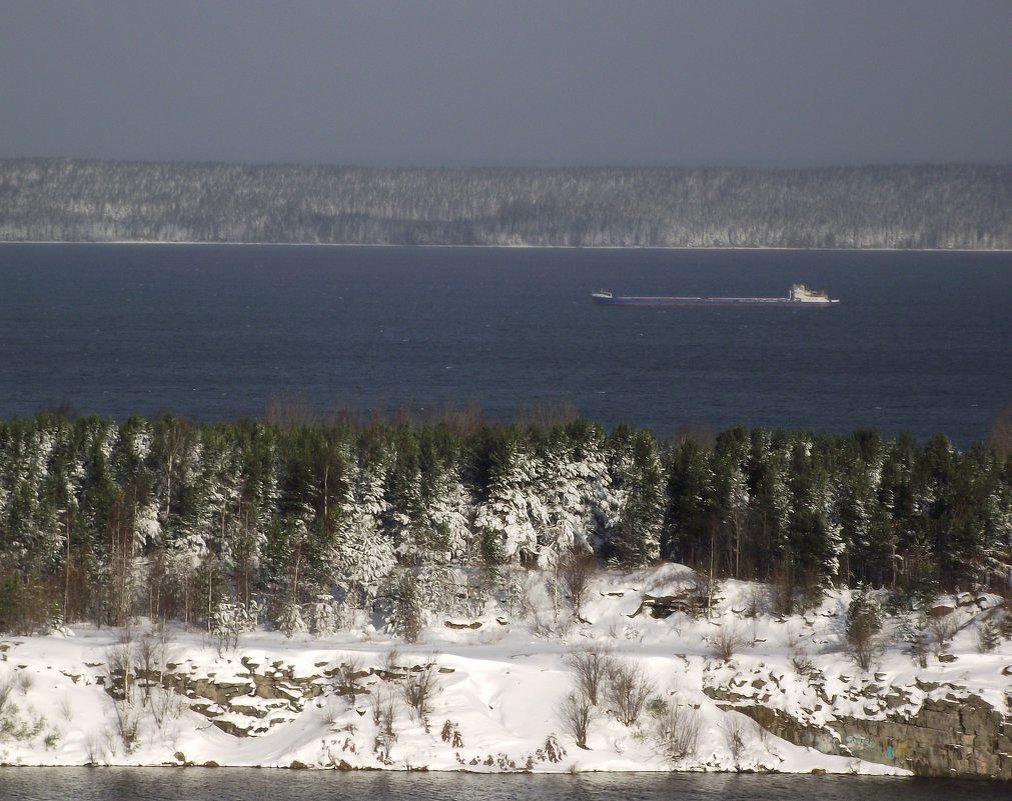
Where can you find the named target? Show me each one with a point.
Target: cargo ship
(800, 297)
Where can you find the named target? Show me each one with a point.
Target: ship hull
(660, 302)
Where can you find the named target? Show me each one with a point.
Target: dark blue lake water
(920, 342)
(244, 784)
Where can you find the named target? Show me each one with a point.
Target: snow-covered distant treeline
(917, 206)
(291, 525)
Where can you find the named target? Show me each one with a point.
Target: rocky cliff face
(930, 729)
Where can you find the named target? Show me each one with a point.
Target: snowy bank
(678, 687)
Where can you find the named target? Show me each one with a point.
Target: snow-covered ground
(496, 688)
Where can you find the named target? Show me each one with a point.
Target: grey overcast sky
(509, 82)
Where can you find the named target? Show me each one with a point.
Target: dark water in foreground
(242, 784)
(921, 341)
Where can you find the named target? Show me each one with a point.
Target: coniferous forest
(288, 524)
(905, 206)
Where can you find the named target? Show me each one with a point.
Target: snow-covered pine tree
(512, 517)
(576, 491)
(813, 535)
(637, 471)
(730, 501)
(770, 495)
(690, 531)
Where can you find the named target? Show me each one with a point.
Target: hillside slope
(735, 689)
(905, 206)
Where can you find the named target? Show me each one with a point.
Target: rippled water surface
(240, 784)
(920, 341)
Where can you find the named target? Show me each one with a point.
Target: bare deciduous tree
(576, 713)
(591, 669)
(627, 691)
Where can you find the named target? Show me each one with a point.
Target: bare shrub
(384, 715)
(332, 711)
(735, 732)
(627, 691)
(391, 669)
(120, 661)
(576, 713)
(6, 688)
(147, 656)
(383, 745)
(864, 650)
(25, 681)
(127, 724)
(165, 705)
(803, 664)
(63, 707)
(575, 571)
(591, 669)
(345, 677)
(151, 653)
(677, 729)
(419, 689)
(389, 716)
(96, 747)
(727, 642)
(942, 629)
(348, 671)
(141, 664)
(378, 703)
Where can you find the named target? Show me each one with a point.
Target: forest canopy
(906, 206)
(288, 523)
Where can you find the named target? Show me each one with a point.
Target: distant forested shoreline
(102, 520)
(889, 207)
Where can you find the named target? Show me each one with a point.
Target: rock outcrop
(957, 734)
